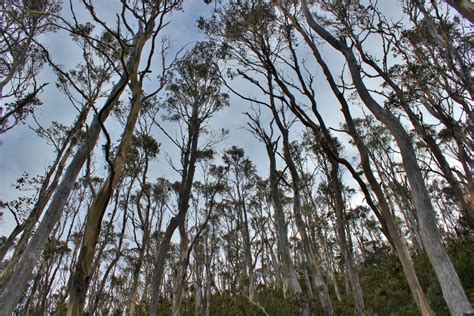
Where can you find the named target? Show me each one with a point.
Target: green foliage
(386, 290)
(274, 303)
(232, 306)
(461, 253)
(55, 247)
(224, 304)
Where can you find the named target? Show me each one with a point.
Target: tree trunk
(16, 284)
(464, 7)
(347, 253)
(189, 168)
(289, 270)
(133, 298)
(250, 275)
(198, 283)
(453, 291)
(400, 246)
(181, 271)
(80, 278)
(44, 195)
(319, 283)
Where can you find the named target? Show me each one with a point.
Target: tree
(449, 280)
(194, 96)
(22, 60)
(130, 62)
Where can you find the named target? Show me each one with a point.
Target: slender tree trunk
(397, 241)
(319, 283)
(133, 297)
(248, 259)
(282, 231)
(45, 193)
(28, 226)
(198, 283)
(208, 292)
(183, 205)
(307, 281)
(161, 258)
(335, 284)
(288, 267)
(347, 253)
(80, 279)
(453, 291)
(451, 286)
(208, 272)
(16, 284)
(181, 273)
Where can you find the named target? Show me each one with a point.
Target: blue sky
(23, 151)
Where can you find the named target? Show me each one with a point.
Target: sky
(21, 150)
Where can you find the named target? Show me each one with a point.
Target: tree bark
(15, 286)
(451, 286)
(181, 271)
(282, 235)
(464, 7)
(347, 253)
(319, 283)
(183, 205)
(80, 278)
(392, 230)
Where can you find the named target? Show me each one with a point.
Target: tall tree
(194, 97)
(452, 289)
(129, 64)
(22, 61)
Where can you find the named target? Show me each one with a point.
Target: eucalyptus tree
(319, 219)
(240, 181)
(333, 191)
(385, 217)
(382, 153)
(288, 265)
(151, 23)
(211, 267)
(155, 196)
(89, 78)
(205, 201)
(129, 53)
(453, 291)
(194, 96)
(264, 56)
(21, 59)
(447, 50)
(45, 282)
(252, 37)
(271, 145)
(443, 90)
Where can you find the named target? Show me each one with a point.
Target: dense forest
(296, 157)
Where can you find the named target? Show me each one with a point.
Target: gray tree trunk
(16, 284)
(347, 253)
(183, 205)
(394, 234)
(451, 286)
(452, 289)
(181, 272)
(319, 283)
(80, 278)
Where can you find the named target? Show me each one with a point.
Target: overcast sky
(21, 150)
